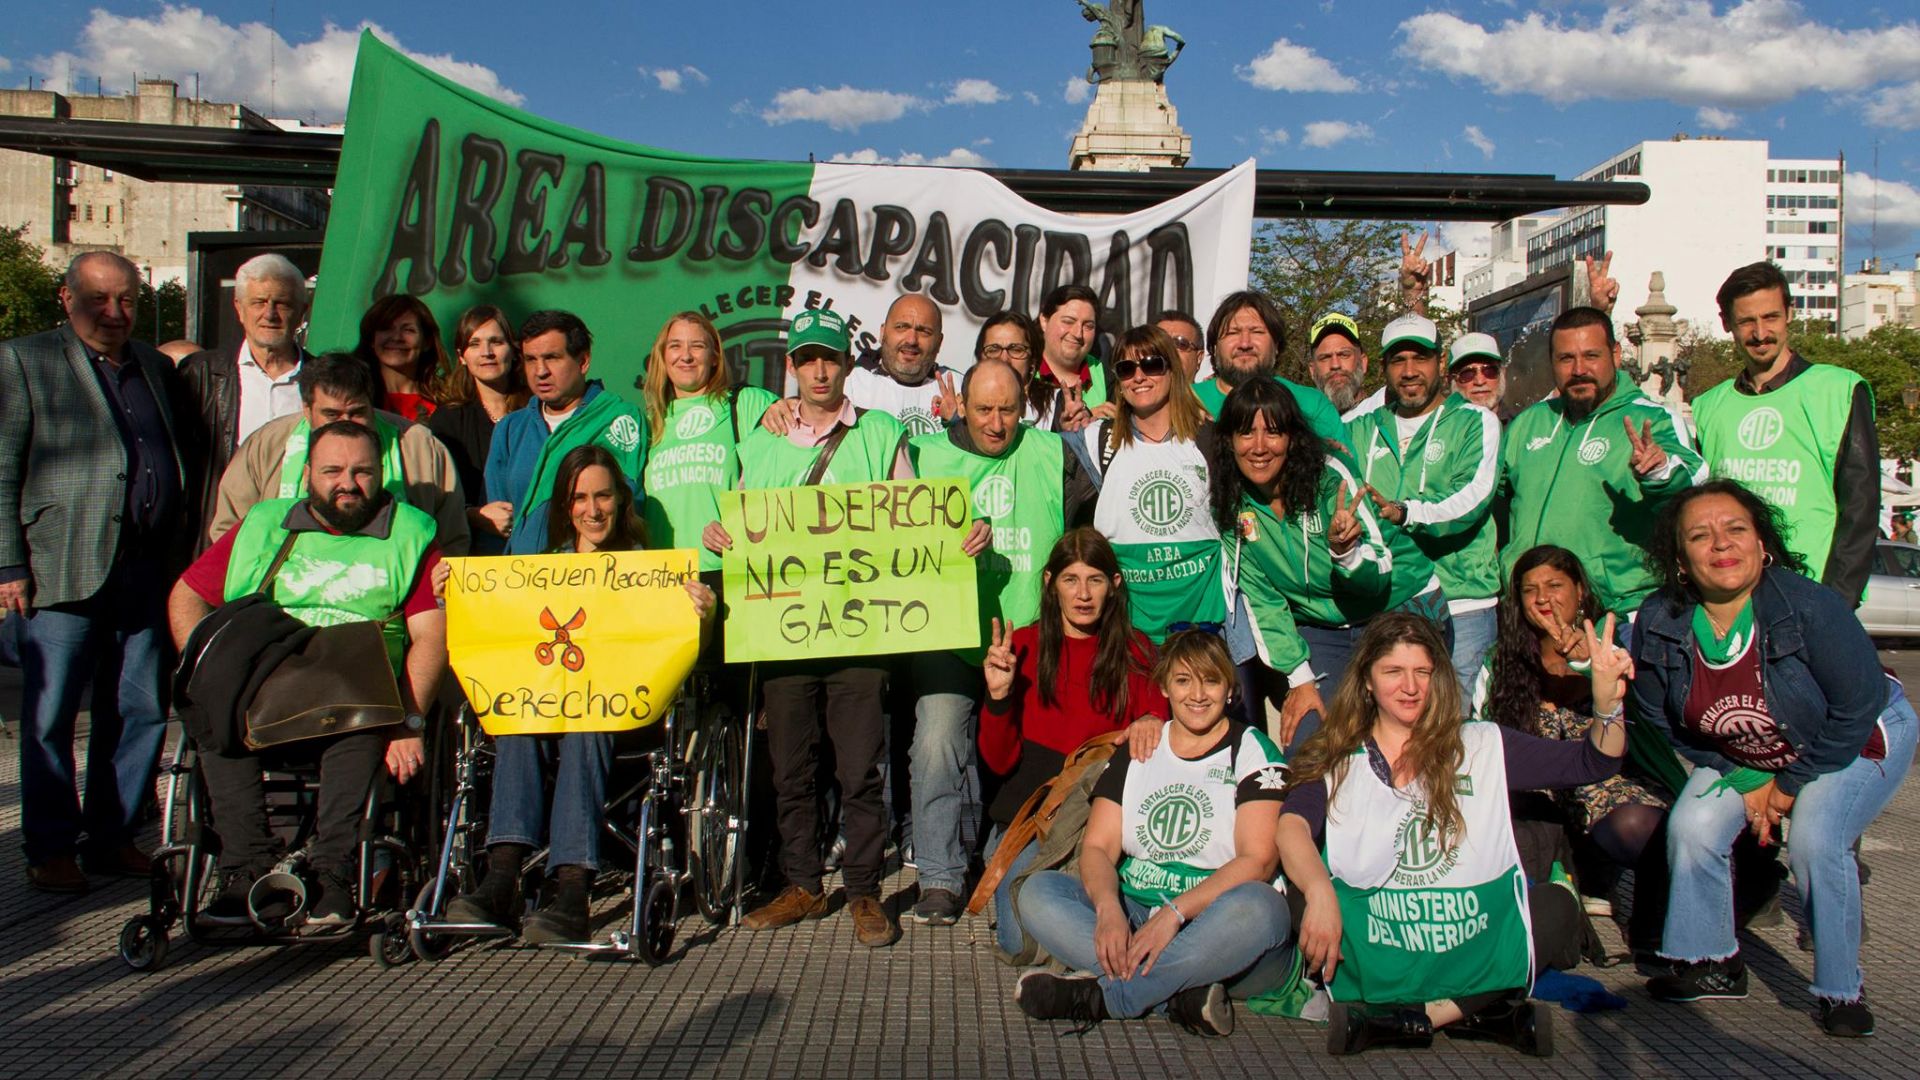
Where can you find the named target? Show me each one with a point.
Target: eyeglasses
(1017, 352)
(1476, 370)
(1146, 365)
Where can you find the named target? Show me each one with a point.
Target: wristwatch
(416, 722)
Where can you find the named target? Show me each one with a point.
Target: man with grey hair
(243, 384)
(94, 526)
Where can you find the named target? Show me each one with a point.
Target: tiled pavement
(808, 1002)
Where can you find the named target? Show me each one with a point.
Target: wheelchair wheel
(143, 943)
(425, 944)
(715, 824)
(389, 945)
(657, 911)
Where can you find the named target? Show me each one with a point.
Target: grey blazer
(63, 466)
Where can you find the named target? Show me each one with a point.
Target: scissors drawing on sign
(571, 657)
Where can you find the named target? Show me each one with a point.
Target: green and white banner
(458, 199)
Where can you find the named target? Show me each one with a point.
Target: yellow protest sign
(848, 570)
(548, 644)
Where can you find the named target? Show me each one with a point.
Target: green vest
(866, 454)
(1782, 444)
(1419, 922)
(293, 466)
(1020, 494)
(697, 456)
(328, 580)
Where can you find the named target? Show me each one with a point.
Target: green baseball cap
(1333, 322)
(819, 326)
(1415, 330)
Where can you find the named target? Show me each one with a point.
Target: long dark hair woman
(485, 384)
(1540, 685)
(1766, 682)
(400, 343)
(592, 509)
(1081, 670)
(1304, 548)
(1397, 803)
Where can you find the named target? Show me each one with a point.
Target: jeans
(802, 698)
(1241, 940)
(60, 647)
(1006, 921)
(1826, 820)
(238, 802)
(943, 741)
(1473, 635)
(519, 807)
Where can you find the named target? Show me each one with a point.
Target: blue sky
(1476, 85)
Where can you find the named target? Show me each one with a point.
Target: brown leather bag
(1034, 822)
(337, 679)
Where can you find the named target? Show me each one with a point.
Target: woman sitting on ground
(1081, 670)
(1397, 833)
(1766, 682)
(1541, 685)
(592, 510)
(1177, 902)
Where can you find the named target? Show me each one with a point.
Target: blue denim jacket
(1819, 673)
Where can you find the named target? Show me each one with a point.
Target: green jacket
(1446, 478)
(1320, 414)
(1571, 483)
(1287, 573)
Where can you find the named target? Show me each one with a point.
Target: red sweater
(1072, 719)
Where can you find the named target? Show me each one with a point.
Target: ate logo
(1436, 450)
(1173, 821)
(1312, 524)
(1593, 450)
(1161, 504)
(1423, 859)
(697, 422)
(1761, 428)
(994, 498)
(624, 433)
(918, 421)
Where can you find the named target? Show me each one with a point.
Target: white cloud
(1271, 138)
(1895, 107)
(1754, 53)
(1897, 202)
(1286, 66)
(1078, 91)
(1716, 119)
(1469, 239)
(5, 64)
(1479, 140)
(842, 109)
(1325, 133)
(959, 155)
(1032, 98)
(975, 92)
(233, 60)
(674, 80)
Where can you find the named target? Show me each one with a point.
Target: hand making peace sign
(1602, 291)
(1648, 456)
(1000, 662)
(1344, 530)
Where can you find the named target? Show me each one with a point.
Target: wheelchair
(676, 810)
(185, 876)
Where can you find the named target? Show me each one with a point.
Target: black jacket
(213, 375)
(226, 658)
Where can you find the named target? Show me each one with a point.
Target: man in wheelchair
(348, 552)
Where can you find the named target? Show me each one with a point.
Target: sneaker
(563, 921)
(1203, 1010)
(1044, 995)
(793, 904)
(873, 925)
(1709, 980)
(59, 874)
(1846, 1019)
(230, 904)
(938, 907)
(334, 907)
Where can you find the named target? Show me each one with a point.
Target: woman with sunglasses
(1151, 463)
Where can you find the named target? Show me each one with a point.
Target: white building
(1872, 300)
(1506, 261)
(1714, 205)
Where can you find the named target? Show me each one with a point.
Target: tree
(163, 312)
(1313, 267)
(29, 288)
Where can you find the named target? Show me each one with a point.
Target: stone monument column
(1655, 337)
(1131, 125)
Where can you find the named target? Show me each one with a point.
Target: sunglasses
(1146, 365)
(1184, 343)
(1476, 370)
